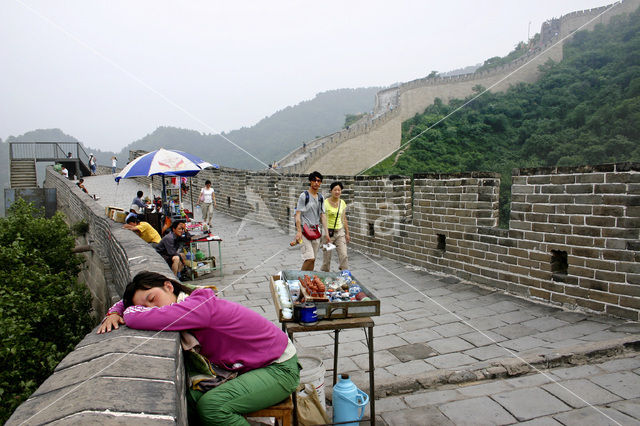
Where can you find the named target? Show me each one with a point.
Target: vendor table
(193, 247)
(366, 323)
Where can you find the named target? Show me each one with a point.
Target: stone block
(151, 397)
(526, 404)
(482, 410)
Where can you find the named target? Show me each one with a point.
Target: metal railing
(47, 151)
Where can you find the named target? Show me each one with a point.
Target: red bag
(311, 232)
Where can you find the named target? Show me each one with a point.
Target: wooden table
(366, 323)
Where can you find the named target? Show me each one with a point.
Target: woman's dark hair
(139, 194)
(133, 219)
(147, 280)
(207, 182)
(315, 175)
(334, 184)
(175, 224)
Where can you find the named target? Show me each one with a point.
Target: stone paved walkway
(428, 322)
(605, 393)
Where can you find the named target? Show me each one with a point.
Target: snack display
(335, 294)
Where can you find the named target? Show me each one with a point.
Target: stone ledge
(571, 355)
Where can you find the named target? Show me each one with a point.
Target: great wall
(573, 241)
(378, 134)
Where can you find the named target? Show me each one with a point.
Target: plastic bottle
(349, 402)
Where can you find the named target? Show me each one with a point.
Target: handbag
(332, 230)
(201, 199)
(311, 232)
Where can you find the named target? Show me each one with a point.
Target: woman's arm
(193, 312)
(113, 319)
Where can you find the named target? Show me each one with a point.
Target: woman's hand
(112, 321)
(348, 238)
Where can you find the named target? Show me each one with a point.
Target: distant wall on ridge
(378, 134)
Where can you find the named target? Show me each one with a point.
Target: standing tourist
(310, 214)
(93, 164)
(338, 227)
(114, 164)
(208, 200)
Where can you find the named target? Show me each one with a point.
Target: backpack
(306, 201)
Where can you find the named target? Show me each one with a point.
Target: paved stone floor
(430, 322)
(605, 393)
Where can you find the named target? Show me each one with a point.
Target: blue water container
(349, 402)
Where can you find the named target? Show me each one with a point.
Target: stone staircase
(23, 174)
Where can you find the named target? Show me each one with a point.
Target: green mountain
(583, 110)
(271, 138)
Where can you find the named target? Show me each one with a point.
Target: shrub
(44, 312)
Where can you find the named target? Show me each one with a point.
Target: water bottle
(349, 402)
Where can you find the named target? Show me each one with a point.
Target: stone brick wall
(573, 238)
(126, 376)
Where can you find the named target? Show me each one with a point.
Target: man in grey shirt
(310, 213)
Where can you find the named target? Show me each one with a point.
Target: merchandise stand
(366, 323)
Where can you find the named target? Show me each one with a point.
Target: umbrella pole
(191, 193)
(164, 198)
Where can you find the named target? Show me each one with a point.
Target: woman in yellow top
(338, 227)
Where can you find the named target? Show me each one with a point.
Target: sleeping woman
(231, 336)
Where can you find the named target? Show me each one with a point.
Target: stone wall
(126, 376)
(574, 236)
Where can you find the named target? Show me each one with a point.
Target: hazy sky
(110, 72)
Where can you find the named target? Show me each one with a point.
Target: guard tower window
(559, 265)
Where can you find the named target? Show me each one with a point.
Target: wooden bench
(282, 411)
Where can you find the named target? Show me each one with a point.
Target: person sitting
(143, 229)
(137, 203)
(64, 172)
(230, 335)
(170, 245)
(80, 184)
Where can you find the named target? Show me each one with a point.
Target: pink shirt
(231, 336)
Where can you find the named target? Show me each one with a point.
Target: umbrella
(164, 162)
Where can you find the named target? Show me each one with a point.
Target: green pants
(251, 391)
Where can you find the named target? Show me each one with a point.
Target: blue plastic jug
(349, 402)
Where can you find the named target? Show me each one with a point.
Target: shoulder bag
(332, 230)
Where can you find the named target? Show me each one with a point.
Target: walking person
(93, 164)
(114, 164)
(310, 214)
(338, 228)
(208, 200)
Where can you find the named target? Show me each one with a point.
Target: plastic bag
(310, 410)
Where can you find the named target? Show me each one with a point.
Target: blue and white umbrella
(164, 162)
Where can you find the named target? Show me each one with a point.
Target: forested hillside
(272, 137)
(584, 110)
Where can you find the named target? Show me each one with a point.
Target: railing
(47, 151)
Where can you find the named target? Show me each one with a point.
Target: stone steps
(23, 174)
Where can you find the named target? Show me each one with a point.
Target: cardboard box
(108, 211)
(119, 216)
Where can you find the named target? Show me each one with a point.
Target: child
(231, 336)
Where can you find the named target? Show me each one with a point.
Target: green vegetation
(349, 119)
(44, 312)
(584, 110)
(521, 49)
